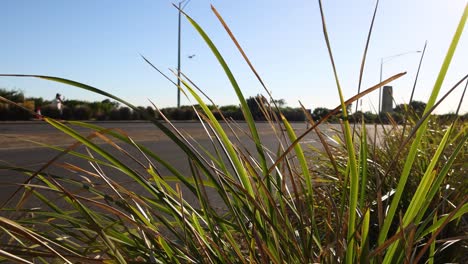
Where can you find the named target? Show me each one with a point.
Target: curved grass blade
(308, 179)
(420, 195)
(13, 257)
(333, 112)
(245, 109)
(421, 131)
(364, 56)
(353, 176)
(163, 128)
(363, 153)
(10, 225)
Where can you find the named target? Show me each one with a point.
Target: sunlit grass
(293, 204)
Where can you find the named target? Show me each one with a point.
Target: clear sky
(99, 43)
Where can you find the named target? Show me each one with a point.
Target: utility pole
(178, 50)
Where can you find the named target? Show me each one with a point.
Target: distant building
(387, 99)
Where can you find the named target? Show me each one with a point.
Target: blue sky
(99, 43)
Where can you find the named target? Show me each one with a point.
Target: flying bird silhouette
(191, 56)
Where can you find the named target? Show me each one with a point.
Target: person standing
(58, 102)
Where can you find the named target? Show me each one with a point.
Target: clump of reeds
(357, 201)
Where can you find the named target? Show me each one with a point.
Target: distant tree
(150, 111)
(114, 114)
(16, 96)
(112, 104)
(280, 102)
(416, 107)
(320, 112)
(255, 105)
(370, 117)
(38, 101)
(293, 114)
(74, 103)
(229, 108)
(81, 112)
(231, 112)
(125, 113)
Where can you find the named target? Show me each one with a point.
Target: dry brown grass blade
(334, 112)
(322, 140)
(364, 56)
(13, 226)
(437, 232)
(221, 115)
(158, 70)
(14, 253)
(390, 241)
(420, 122)
(244, 55)
(414, 88)
(233, 38)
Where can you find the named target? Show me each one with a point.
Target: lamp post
(387, 59)
(185, 2)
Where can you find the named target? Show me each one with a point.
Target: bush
(125, 113)
(294, 114)
(68, 113)
(346, 203)
(81, 112)
(4, 110)
(151, 112)
(115, 114)
(50, 111)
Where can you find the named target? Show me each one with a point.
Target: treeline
(260, 108)
(111, 110)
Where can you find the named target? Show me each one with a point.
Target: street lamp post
(178, 50)
(387, 59)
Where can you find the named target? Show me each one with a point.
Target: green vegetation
(391, 198)
(110, 110)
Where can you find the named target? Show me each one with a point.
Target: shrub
(125, 113)
(4, 109)
(151, 112)
(50, 111)
(280, 206)
(16, 96)
(67, 113)
(115, 114)
(81, 112)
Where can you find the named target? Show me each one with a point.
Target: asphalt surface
(20, 146)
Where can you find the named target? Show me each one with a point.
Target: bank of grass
(402, 200)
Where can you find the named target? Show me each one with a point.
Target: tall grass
(293, 204)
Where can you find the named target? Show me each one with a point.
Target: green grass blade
(441, 176)
(364, 256)
(161, 126)
(420, 196)
(433, 245)
(426, 182)
(421, 131)
(463, 211)
(308, 179)
(226, 142)
(13, 257)
(245, 109)
(354, 177)
(363, 154)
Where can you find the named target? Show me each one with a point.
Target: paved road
(26, 154)
(16, 151)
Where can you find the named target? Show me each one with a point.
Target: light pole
(387, 59)
(185, 2)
